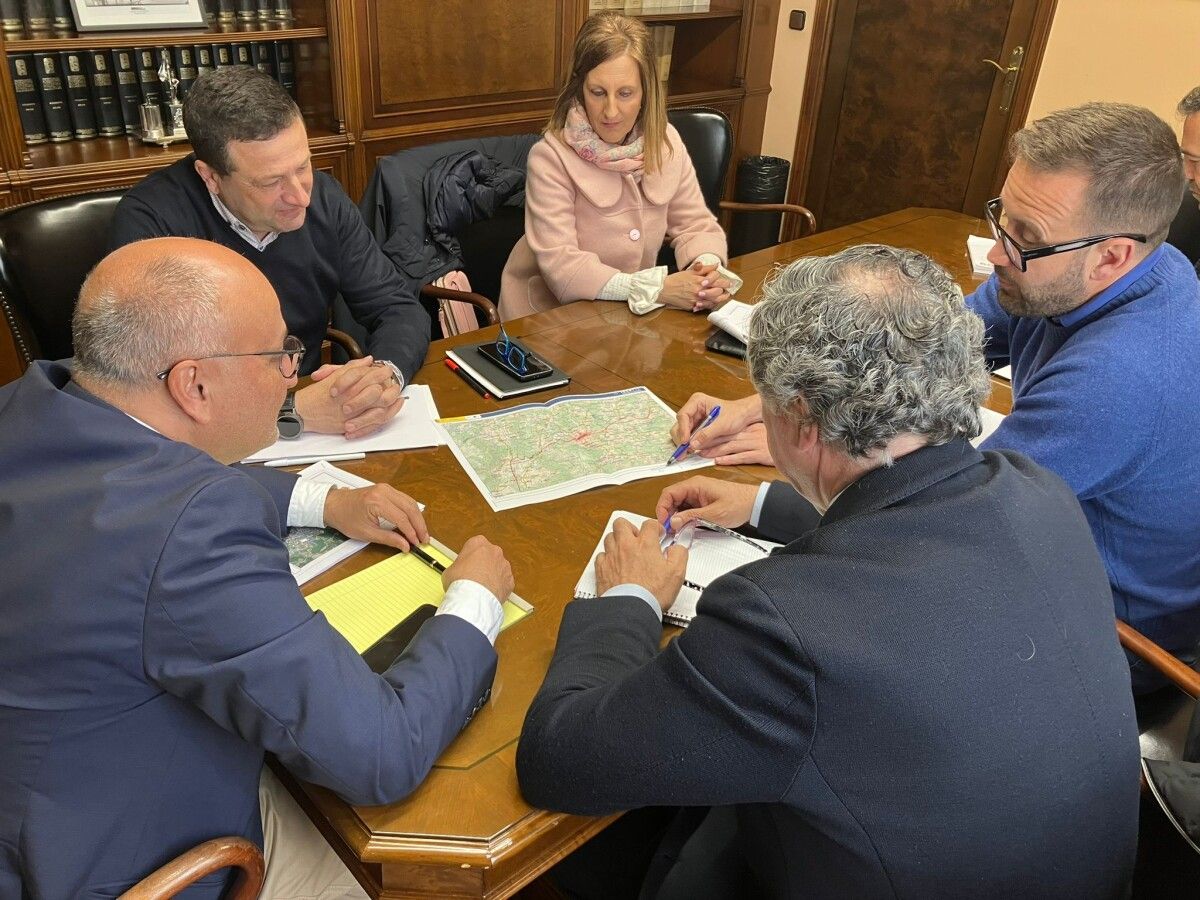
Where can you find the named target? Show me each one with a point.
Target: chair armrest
(343, 340)
(802, 211)
(477, 300)
(201, 860)
(1182, 675)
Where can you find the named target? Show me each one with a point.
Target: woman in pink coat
(608, 182)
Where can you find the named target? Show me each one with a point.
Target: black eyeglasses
(517, 358)
(289, 358)
(1020, 256)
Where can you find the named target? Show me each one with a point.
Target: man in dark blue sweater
(1100, 321)
(250, 186)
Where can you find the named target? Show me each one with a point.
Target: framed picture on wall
(121, 15)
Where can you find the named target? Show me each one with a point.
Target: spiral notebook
(713, 551)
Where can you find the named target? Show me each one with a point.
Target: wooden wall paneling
(426, 63)
(810, 104)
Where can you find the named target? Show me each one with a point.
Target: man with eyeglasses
(1185, 230)
(154, 642)
(250, 185)
(1100, 321)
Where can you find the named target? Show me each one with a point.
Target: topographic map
(538, 452)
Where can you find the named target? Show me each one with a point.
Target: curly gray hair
(868, 344)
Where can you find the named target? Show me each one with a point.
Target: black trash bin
(760, 179)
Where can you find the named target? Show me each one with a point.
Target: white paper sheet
(414, 426)
(978, 248)
(733, 318)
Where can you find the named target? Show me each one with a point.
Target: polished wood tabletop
(467, 832)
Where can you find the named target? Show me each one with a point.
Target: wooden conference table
(466, 832)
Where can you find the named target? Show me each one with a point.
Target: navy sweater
(1112, 405)
(332, 253)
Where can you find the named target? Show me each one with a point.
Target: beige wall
(1133, 51)
(787, 81)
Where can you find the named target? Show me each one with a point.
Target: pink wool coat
(584, 224)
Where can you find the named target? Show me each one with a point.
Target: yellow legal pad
(369, 604)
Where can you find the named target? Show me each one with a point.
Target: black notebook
(498, 382)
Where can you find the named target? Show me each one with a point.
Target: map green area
(539, 452)
(306, 544)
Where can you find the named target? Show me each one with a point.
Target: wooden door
(902, 109)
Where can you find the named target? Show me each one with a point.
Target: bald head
(149, 304)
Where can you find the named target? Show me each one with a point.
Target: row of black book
(43, 18)
(80, 94)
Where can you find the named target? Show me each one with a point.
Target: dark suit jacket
(921, 697)
(153, 644)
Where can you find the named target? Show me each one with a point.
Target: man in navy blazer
(153, 643)
(921, 695)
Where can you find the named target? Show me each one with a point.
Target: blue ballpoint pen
(683, 448)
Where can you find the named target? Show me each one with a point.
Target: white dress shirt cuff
(629, 589)
(306, 509)
(617, 288)
(756, 512)
(475, 604)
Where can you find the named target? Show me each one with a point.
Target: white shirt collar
(240, 227)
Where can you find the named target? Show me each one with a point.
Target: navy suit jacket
(921, 697)
(153, 644)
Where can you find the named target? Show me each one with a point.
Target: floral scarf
(625, 158)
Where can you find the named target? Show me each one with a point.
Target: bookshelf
(366, 93)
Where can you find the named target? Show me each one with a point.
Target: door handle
(1010, 72)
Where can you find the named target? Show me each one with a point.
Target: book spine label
(262, 58)
(247, 12)
(285, 67)
(241, 55)
(105, 102)
(29, 105)
(204, 59)
(47, 74)
(222, 56)
(184, 61)
(37, 15)
(130, 94)
(61, 19)
(79, 96)
(10, 18)
(145, 60)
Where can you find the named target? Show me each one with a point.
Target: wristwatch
(289, 422)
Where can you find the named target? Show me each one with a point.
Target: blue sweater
(1111, 403)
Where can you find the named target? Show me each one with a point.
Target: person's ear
(1116, 257)
(209, 176)
(187, 386)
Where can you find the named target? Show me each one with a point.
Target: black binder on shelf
(11, 22)
(285, 67)
(183, 59)
(247, 13)
(110, 122)
(79, 95)
(124, 67)
(204, 59)
(29, 104)
(145, 61)
(226, 12)
(263, 58)
(282, 11)
(61, 20)
(47, 73)
(36, 17)
(222, 55)
(264, 12)
(241, 55)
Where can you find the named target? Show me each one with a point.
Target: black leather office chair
(47, 249)
(708, 136)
